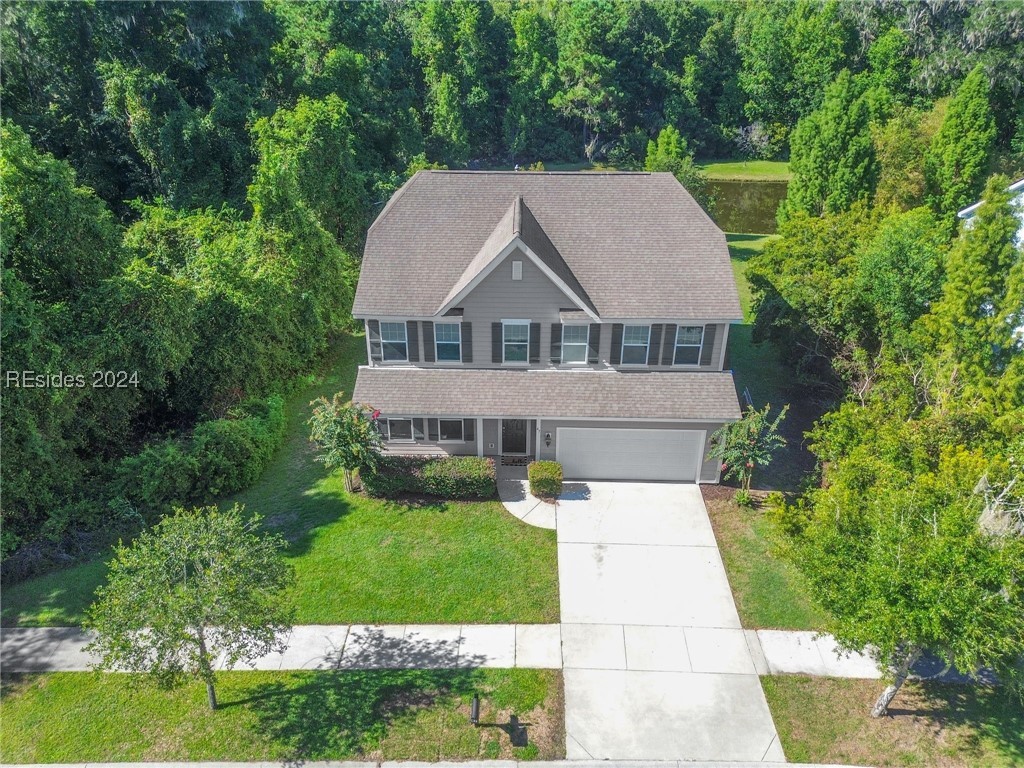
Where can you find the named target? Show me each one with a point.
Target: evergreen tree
(959, 156)
(670, 153)
(978, 322)
(833, 161)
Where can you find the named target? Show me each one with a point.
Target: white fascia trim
(513, 244)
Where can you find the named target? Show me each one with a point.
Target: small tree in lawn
(747, 444)
(346, 435)
(199, 584)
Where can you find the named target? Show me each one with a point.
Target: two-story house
(581, 317)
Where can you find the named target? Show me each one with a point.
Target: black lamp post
(474, 710)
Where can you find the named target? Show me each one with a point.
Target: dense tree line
(186, 185)
(912, 322)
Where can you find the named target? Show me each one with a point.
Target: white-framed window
(400, 430)
(517, 270)
(450, 431)
(689, 340)
(448, 341)
(516, 340)
(393, 342)
(635, 340)
(575, 339)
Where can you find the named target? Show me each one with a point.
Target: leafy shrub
(744, 499)
(545, 478)
(450, 477)
(232, 453)
(459, 477)
(223, 456)
(159, 477)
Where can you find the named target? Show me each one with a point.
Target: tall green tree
(958, 158)
(893, 549)
(978, 320)
(589, 93)
(346, 434)
(832, 156)
(530, 125)
(307, 158)
(201, 584)
(671, 154)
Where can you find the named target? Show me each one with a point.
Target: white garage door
(629, 454)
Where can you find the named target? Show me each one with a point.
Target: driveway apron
(656, 664)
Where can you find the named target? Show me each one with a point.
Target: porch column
(537, 443)
(480, 437)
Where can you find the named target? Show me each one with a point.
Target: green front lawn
(770, 593)
(292, 717)
(745, 170)
(360, 560)
(827, 720)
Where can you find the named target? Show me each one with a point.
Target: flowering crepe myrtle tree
(202, 583)
(747, 444)
(346, 434)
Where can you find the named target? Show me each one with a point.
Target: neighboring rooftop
(563, 394)
(1017, 187)
(632, 244)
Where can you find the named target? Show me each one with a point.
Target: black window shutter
(668, 349)
(709, 344)
(428, 341)
(412, 334)
(432, 430)
(534, 342)
(616, 343)
(469, 429)
(556, 343)
(594, 343)
(496, 355)
(417, 429)
(467, 342)
(373, 328)
(654, 347)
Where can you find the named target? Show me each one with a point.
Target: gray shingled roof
(675, 395)
(519, 222)
(637, 243)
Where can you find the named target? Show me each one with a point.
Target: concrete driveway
(656, 664)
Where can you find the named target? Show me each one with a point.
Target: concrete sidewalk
(359, 646)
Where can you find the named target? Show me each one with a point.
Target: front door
(513, 436)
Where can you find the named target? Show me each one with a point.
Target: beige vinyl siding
(709, 471)
(498, 297)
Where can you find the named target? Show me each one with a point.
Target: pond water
(747, 206)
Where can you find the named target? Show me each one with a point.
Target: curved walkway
(514, 492)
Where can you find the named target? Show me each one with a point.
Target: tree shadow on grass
(331, 715)
(974, 712)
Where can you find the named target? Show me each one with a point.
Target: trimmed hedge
(450, 477)
(545, 478)
(222, 456)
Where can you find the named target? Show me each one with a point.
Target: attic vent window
(517, 270)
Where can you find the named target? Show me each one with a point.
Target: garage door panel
(629, 454)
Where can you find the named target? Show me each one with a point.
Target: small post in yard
(474, 710)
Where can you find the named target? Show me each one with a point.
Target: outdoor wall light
(547, 439)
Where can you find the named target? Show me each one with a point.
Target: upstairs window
(689, 339)
(448, 340)
(635, 340)
(394, 345)
(574, 343)
(516, 340)
(517, 270)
